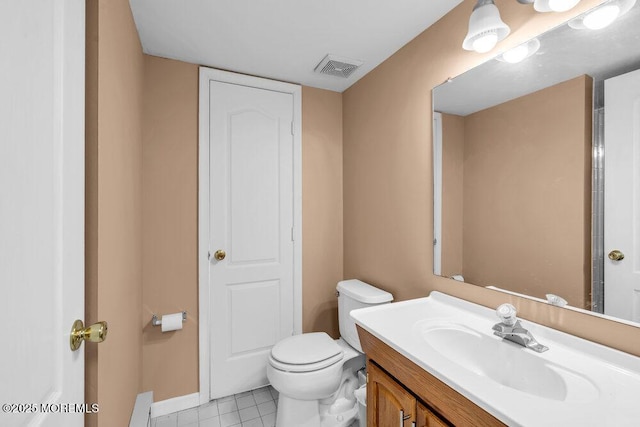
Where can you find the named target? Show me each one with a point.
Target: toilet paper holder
(156, 321)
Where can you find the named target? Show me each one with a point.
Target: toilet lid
(306, 352)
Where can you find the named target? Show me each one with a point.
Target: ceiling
(283, 39)
(564, 53)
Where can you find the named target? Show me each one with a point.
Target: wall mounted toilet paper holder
(156, 321)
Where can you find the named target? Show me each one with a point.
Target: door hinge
(293, 129)
(293, 238)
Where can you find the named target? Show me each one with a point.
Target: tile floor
(255, 408)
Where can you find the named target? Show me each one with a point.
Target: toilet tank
(353, 294)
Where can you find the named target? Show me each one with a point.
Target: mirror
(520, 168)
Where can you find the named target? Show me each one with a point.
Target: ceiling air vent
(337, 66)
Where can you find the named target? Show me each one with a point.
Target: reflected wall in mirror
(520, 200)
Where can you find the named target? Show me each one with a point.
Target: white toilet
(315, 375)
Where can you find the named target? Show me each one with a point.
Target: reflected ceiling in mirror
(564, 53)
(525, 213)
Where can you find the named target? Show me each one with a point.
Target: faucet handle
(507, 314)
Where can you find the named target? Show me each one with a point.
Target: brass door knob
(94, 333)
(219, 254)
(616, 255)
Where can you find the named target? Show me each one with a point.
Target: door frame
(207, 75)
(437, 193)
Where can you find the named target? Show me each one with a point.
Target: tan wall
(388, 186)
(170, 225)
(452, 195)
(114, 206)
(525, 200)
(322, 251)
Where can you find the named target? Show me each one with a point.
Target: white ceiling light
(485, 27)
(551, 5)
(602, 16)
(521, 52)
(554, 5)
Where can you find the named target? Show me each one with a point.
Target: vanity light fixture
(602, 16)
(520, 52)
(485, 27)
(551, 5)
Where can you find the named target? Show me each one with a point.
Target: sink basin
(506, 363)
(575, 382)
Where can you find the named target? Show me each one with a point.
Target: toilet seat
(305, 353)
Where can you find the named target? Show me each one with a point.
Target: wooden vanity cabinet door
(388, 403)
(426, 418)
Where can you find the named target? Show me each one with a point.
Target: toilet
(316, 375)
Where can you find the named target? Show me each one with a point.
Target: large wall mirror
(537, 170)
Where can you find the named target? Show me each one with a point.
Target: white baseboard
(141, 410)
(180, 403)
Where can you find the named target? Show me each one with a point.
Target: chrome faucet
(511, 329)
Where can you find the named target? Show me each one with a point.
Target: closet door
(251, 244)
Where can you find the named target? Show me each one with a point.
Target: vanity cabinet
(426, 418)
(399, 393)
(390, 404)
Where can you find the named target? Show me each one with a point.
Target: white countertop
(600, 385)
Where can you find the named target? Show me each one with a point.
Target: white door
(41, 211)
(251, 240)
(622, 196)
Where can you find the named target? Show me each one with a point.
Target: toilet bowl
(315, 375)
(312, 371)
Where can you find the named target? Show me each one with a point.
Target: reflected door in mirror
(622, 196)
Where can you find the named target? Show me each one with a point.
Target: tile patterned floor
(255, 408)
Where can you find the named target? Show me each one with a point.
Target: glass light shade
(602, 16)
(485, 42)
(554, 5)
(515, 55)
(520, 52)
(485, 27)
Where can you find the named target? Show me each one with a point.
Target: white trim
(180, 403)
(297, 209)
(437, 193)
(203, 246)
(141, 410)
(206, 75)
